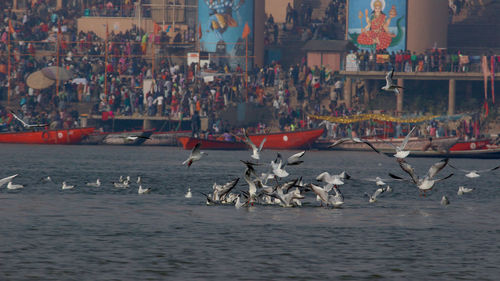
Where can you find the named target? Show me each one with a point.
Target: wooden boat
(122, 138)
(65, 136)
(189, 142)
(287, 140)
(166, 138)
(491, 152)
(414, 144)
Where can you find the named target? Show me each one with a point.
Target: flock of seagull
(271, 187)
(122, 183)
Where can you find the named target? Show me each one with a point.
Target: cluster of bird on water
(123, 183)
(290, 193)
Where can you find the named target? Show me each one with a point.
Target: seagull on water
(97, 183)
(471, 174)
(7, 179)
(463, 189)
(188, 193)
(255, 150)
(143, 190)
(124, 184)
(400, 150)
(195, 155)
(12, 186)
(129, 139)
(445, 201)
(389, 84)
(427, 182)
(238, 204)
(26, 125)
(65, 186)
(355, 139)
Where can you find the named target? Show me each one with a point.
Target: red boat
(66, 136)
(189, 143)
(464, 145)
(287, 140)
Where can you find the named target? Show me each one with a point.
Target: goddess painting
(376, 32)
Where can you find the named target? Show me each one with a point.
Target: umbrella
(79, 81)
(52, 72)
(37, 80)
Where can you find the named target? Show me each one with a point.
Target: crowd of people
(125, 82)
(432, 60)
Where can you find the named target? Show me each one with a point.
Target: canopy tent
(37, 80)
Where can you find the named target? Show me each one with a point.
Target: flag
(11, 28)
(492, 71)
(199, 32)
(156, 28)
(486, 109)
(246, 31)
(486, 73)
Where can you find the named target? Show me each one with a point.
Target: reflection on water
(91, 233)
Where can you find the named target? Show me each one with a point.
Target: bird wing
(248, 141)
(19, 119)
(488, 170)
(7, 179)
(447, 177)
(407, 168)
(370, 145)
(325, 176)
(338, 142)
(294, 159)
(262, 144)
(323, 194)
(434, 169)
(378, 192)
(387, 142)
(388, 77)
(405, 141)
(196, 149)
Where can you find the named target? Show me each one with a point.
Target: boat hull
(288, 140)
(121, 138)
(166, 138)
(189, 142)
(414, 144)
(487, 153)
(66, 136)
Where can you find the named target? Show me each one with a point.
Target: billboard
(377, 24)
(222, 23)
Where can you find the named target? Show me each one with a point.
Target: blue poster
(222, 24)
(377, 24)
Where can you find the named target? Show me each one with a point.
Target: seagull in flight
(373, 198)
(26, 125)
(471, 174)
(294, 159)
(7, 179)
(195, 155)
(427, 182)
(133, 138)
(255, 150)
(389, 84)
(400, 150)
(333, 179)
(355, 139)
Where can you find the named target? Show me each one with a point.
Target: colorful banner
(377, 24)
(375, 117)
(222, 27)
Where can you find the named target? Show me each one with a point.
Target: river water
(106, 233)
